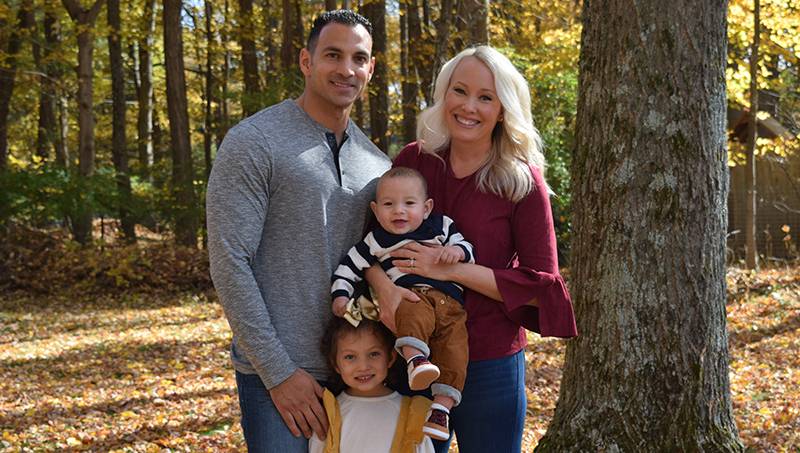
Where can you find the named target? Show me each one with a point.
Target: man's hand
(388, 294)
(298, 401)
(389, 301)
(339, 306)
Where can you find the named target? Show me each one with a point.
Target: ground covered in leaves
(128, 371)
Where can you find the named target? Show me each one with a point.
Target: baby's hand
(451, 255)
(339, 306)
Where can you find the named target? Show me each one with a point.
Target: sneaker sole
(423, 378)
(435, 433)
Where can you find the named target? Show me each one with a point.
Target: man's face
(340, 66)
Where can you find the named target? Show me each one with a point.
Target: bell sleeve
(533, 274)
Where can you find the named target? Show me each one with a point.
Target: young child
(434, 327)
(368, 416)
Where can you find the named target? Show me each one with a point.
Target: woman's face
(471, 105)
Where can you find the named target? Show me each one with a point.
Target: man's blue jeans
(264, 429)
(491, 416)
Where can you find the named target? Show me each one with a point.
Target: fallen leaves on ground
(151, 372)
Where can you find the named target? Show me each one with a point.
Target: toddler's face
(400, 204)
(363, 361)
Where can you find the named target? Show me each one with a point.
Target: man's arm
(237, 202)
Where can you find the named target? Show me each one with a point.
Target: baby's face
(400, 204)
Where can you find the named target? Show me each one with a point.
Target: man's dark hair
(339, 16)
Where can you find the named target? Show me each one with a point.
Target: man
(287, 197)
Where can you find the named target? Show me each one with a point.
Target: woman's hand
(423, 259)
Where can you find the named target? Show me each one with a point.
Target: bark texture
(177, 107)
(649, 371)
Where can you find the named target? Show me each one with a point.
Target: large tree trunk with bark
(144, 94)
(84, 18)
(375, 11)
(177, 107)
(252, 84)
(119, 150)
(649, 371)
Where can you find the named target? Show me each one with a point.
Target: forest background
(110, 115)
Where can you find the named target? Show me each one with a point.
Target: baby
(435, 326)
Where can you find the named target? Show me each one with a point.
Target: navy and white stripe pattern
(376, 246)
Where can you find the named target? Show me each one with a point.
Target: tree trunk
(119, 152)
(292, 43)
(375, 11)
(270, 24)
(144, 95)
(421, 49)
(252, 84)
(409, 79)
(330, 5)
(82, 223)
(750, 229)
(177, 107)
(223, 117)
(46, 119)
(8, 72)
(54, 97)
(649, 371)
(208, 118)
(472, 23)
(443, 24)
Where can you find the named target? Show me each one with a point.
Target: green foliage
(44, 194)
(554, 103)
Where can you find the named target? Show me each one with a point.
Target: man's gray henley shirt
(279, 222)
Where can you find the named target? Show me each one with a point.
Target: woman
(482, 159)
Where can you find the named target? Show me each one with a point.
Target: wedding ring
(412, 262)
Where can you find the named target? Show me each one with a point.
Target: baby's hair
(339, 327)
(406, 172)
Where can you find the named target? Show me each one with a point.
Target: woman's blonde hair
(515, 141)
